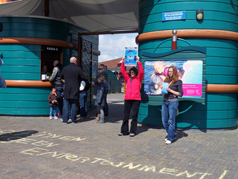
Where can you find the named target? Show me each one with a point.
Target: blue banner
(130, 56)
(171, 16)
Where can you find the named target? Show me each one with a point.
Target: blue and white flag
(1, 62)
(3, 82)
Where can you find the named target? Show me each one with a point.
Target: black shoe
(75, 122)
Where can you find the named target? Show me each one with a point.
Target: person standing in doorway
(132, 98)
(58, 84)
(73, 76)
(100, 98)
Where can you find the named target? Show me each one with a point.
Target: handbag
(177, 112)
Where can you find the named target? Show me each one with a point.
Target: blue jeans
(53, 108)
(101, 112)
(169, 110)
(83, 104)
(59, 91)
(70, 103)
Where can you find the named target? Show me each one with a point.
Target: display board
(189, 72)
(190, 62)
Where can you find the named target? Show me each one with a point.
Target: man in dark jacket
(73, 76)
(58, 84)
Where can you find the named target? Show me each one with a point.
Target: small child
(159, 68)
(100, 98)
(53, 102)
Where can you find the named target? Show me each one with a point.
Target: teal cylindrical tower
(218, 33)
(22, 43)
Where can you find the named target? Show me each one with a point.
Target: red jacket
(133, 88)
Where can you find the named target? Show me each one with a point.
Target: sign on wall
(190, 62)
(189, 72)
(45, 48)
(171, 16)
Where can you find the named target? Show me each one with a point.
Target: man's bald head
(73, 60)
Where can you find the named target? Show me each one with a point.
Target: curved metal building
(27, 43)
(218, 33)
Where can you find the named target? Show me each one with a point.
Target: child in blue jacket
(100, 98)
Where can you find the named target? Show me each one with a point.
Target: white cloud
(113, 46)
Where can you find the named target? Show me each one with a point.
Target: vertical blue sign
(130, 56)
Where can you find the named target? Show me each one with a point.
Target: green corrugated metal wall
(218, 14)
(220, 110)
(22, 62)
(114, 83)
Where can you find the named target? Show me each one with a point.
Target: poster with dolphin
(130, 56)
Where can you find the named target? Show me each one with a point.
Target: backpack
(84, 85)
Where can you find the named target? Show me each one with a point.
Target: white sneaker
(55, 117)
(50, 117)
(132, 135)
(168, 142)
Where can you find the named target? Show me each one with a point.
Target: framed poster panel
(190, 63)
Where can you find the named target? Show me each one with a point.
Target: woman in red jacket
(132, 98)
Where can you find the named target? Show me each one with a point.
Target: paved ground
(36, 147)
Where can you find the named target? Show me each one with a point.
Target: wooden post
(80, 46)
(46, 8)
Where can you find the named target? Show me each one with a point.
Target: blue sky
(113, 46)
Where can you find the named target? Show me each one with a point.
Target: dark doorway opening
(48, 55)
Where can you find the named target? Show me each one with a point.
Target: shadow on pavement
(179, 135)
(16, 135)
(116, 113)
(145, 127)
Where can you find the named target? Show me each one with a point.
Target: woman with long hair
(170, 102)
(132, 98)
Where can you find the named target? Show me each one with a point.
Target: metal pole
(174, 39)
(174, 47)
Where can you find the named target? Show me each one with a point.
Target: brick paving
(36, 147)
